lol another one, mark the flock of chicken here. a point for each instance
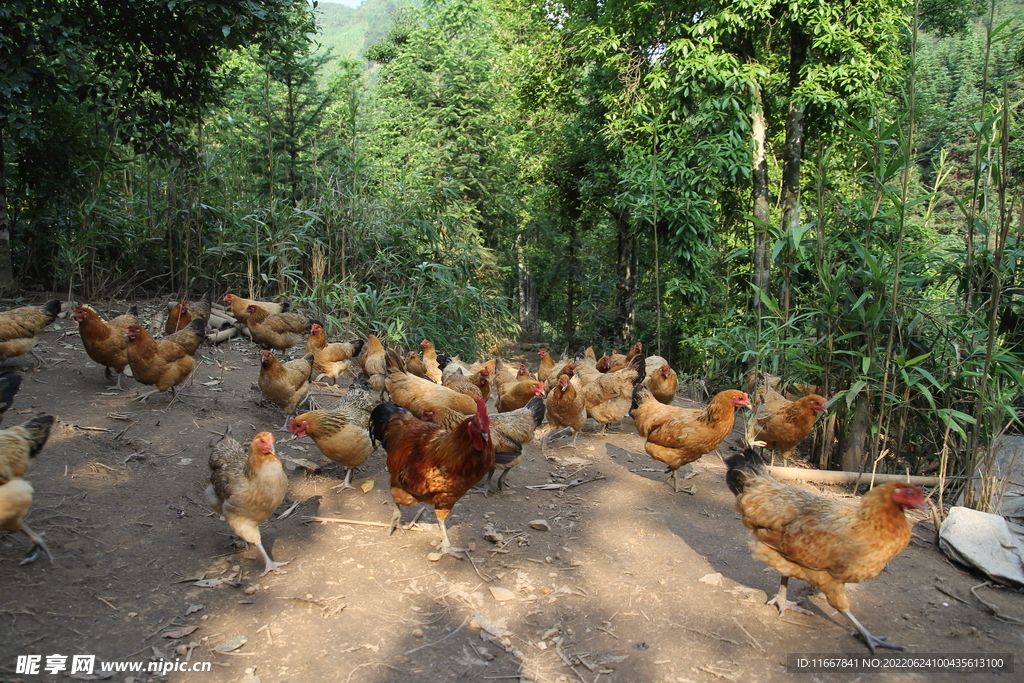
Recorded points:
(441, 440)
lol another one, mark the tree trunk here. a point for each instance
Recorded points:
(570, 290)
(6, 270)
(794, 146)
(625, 289)
(527, 296)
(856, 438)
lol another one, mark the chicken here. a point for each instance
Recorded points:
(429, 464)
(473, 385)
(372, 362)
(510, 393)
(20, 443)
(330, 360)
(758, 382)
(239, 307)
(607, 396)
(547, 364)
(359, 395)
(661, 379)
(566, 408)
(341, 434)
(524, 373)
(414, 365)
(167, 362)
(677, 436)
(183, 313)
(279, 331)
(617, 361)
(785, 423)
(20, 327)
(824, 542)
(430, 361)
(416, 394)
(509, 431)
(285, 384)
(105, 342)
(246, 488)
(15, 499)
(17, 446)
(556, 370)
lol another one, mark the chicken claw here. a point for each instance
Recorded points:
(346, 485)
(38, 545)
(270, 565)
(783, 604)
(871, 640)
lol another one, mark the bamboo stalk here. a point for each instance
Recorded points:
(831, 477)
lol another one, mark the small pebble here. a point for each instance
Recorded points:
(417, 633)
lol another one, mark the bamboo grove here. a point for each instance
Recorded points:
(825, 191)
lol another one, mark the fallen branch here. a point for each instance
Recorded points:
(335, 520)
(992, 608)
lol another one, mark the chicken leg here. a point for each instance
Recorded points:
(783, 604)
(39, 544)
(872, 641)
(446, 545)
(269, 564)
(346, 485)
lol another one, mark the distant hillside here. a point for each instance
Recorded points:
(348, 32)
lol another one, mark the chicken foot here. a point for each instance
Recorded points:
(269, 564)
(485, 488)
(38, 544)
(783, 604)
(346, 485)
(446, 545)
(871, 640)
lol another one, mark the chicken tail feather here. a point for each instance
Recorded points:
(379, 419)
(742, 465)
(537, 408)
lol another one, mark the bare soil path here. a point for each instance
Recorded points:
(631, 582)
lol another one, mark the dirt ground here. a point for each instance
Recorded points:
(631, 583)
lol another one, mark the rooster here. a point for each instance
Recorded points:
(677, 436)
(509, 431)
(429, 464)
(246, 488)
(823, 542)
